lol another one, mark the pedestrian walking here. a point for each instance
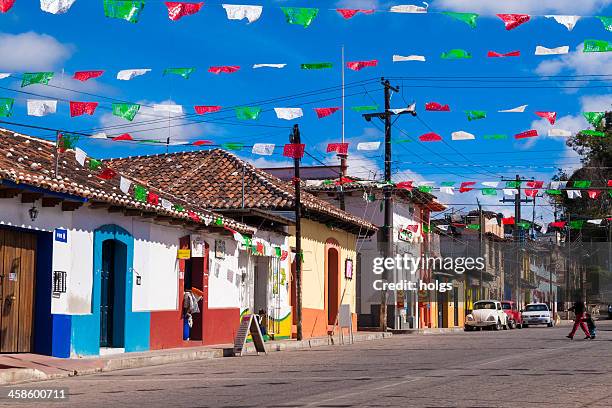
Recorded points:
(579, 311)
(590, 322)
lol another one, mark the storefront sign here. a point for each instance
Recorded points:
(184, 254)
(219, 249)
(197, 246)
(61, 235)
(348, 269)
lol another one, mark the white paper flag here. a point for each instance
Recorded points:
(551, 51)
(411, 108)
(568, 21)
(409, 8)
(443, 227)
(127, 74)
(461, 135)
(124, 185)
(556, 185)
(80, 156)
(178, 109)
(255, 66)
(559, 132)
(167, 205)
(238, 12)
(100, 135)
(264, 149)
(573, 193)
(510, 191)
(492, 184)
(368, 146)
(4, 75)
(518, 109)
(56, 6)
(288, 113)
(491, 221)
(401, 58)
(447, 190)
(37, 107)
(596, 222)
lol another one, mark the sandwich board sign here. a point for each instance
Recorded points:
(248, 325)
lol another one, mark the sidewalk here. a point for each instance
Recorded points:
(25, 367)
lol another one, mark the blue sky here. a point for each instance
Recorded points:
(83, 39)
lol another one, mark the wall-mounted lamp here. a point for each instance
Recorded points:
(33, 212)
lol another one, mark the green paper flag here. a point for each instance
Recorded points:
(473, 226)
(232, 146)
(467, 18)
(140, 193)
(606, 21)
(489, 192)
(178, 208)
(128, 10)
(447, 183)
(553, 192)
(317, 65)
(425, 189)
(126, 110)
(300, 15)
(219, 222)
(248, 112)
(513, 184)
(475, 115)
(610, 193)
(401, 141)
(328, 182)
(66, 141)
(596, 133)
(597, 46)
(582, 183)
(495, 137)
(94, 164)
(577, 224)
(278, 252)
(456, 54)
(30, 78)
(594, 118)
(426, 229)
(184, 72)
(364, 108)
(524, 224)
(6, 106)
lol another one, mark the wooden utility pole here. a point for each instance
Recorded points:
(480, 221)
(295, 138)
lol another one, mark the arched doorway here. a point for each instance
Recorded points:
(333, 281)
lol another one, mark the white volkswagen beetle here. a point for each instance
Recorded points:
(486, 313)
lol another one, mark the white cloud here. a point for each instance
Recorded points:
(581, 63)
(32, 52)
(524, 6)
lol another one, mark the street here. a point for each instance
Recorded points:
(534, 367)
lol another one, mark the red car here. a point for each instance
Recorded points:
(514, 315)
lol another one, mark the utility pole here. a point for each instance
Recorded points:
(295, 139)
(342, 156)
(481, 245)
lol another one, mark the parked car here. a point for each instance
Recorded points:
(515, 319)
(486, 313)
(537, 313)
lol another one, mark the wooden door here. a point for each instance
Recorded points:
(17, 281)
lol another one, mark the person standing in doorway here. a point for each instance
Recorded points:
(579, 311)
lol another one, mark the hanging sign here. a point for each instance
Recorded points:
(184, 254)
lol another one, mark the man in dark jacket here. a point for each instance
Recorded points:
(579, 310)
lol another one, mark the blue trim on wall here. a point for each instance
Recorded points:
(86, 328)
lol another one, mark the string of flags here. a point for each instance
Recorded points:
(526, 225)
(131, 11)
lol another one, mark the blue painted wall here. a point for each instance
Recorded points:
(86, 328)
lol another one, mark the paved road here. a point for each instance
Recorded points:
(535, 367)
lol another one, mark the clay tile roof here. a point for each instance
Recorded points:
(216, 178)
(31, 161)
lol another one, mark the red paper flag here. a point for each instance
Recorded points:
(125, 136)
(436, 107)
(549, 116)
(508, 221)
(511, 21)
(531, 193)
(405, 185)
(458, 225)
(195, 217)
(85, 75)
(508, 54)
(177, 10)
(294, 150)
(528, 133)
(323, 112)
(5, 5)
(594, 194)
(609, 183)
(535, 184)
(226, 69)
(466, 186)
(107, 174)
(430, 137)
(412, 228)
(340, 148)
(558, 224)
(350, 13)
(202, 142)
(202, 109)
(343, 180)
(82, 108)
(359, 65)
(152, 198)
